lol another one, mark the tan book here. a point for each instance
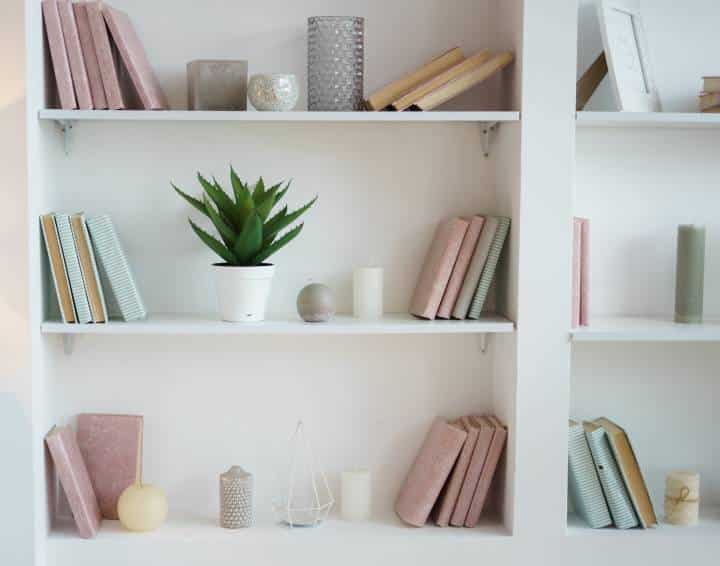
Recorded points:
(89, 268)
(590, 81)
(464, 82)
(57, 267)
(388, 94)
(711, 84)
(713, 110)
(437, 81)
(630, 470)
(709, 100)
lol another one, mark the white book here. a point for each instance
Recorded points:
(584, 485)
(74, 271)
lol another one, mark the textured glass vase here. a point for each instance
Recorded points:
(336, 63)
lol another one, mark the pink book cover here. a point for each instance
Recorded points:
(477, 461)
(585, 272)
(58, 55)
(449, 496)
(487, 475)
(75, 56)
(136, 62)
(429, 473)
(461, 267)
(106, 60)
(74, 479)
(438, 267)
(92, 66)
(576, 272)
(112, 448)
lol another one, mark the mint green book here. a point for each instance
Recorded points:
(583, 482)
(616, 494)
(488, 273)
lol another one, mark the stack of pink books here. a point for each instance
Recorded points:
(452, 475)
(84, 38)
(581, 273)
(459, 268)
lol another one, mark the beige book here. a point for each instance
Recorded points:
(709, 100)
(57, 267)
(388, 94)
(437, 81)
(590, 81)
(711, 84)
(464, 82)
(89, 268)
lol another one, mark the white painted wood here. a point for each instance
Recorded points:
(589, 119)
(646, 330)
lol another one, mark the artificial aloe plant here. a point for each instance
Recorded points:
(249, 235)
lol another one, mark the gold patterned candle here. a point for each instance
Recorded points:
(682, 498)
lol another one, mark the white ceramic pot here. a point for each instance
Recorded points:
(243, 292)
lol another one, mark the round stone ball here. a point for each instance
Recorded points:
(142, 508)
(316, 303)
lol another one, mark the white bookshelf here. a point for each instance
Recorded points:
(639, 329)
(687, 120)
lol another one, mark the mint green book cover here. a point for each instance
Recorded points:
(584, 485)
(488, 273)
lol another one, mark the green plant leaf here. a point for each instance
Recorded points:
(192, 200)
(259, 190)
(249, 241)
(267, 251)
(223, 202)
(214, 244)
(268, 202)
(240, 189)
(226, 232)
(279, 196)
(278, 223)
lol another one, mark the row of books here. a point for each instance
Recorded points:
(710, 96)
(581, 273)
(88, 265)
(453, 473)
(85, 39)
(438, 81)
(459, 268)
(606, 483)
(95, 466)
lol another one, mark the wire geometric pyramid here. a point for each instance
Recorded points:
(305, 502)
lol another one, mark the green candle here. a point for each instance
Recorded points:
(690, 276)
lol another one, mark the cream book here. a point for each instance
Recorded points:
(89, 268)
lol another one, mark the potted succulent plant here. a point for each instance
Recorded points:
(249, 233)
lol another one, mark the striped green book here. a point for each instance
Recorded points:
(618, 499)
(74, 271)
(488, 273)
(115, 268)
(583, 482)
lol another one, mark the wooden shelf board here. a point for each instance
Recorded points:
(709, 527)
(647, 120)
(300, 116)
(173, 324)
(640, 329)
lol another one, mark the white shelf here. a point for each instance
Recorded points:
(208, 116)
(647, 120)
(638, 329)
(174, 324)
(709, 527)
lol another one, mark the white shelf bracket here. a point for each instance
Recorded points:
(488, 131)
(66, 128)
(483, 342)
(68, 344)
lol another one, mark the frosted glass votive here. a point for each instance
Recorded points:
(355, 496)
(368, 292)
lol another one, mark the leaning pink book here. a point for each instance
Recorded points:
(477, 461)
(90, 57)
(136, 62)
(585, 273)
(105, 57)
(75, 56)
(429, 473)
(576, 272)
(461, 267)
(488, 473)
(438, 268)
(58, 55)
(74, 479)
(112, 448)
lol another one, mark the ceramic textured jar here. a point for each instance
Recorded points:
(274, 93)
(316, 303)
(236, 499)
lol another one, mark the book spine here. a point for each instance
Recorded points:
(90, 57)
(486, 477)
(57, 268)
(472, 476)
(72, 264)
(474, 273)
(585, 272)
(489, 270)
(584, 484)
(450, 495)
(576, 272)
(106, 61)
(75, 56)
(58, 55)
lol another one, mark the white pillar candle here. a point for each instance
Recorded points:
(355, 495)
(368, 292)
(682, 498)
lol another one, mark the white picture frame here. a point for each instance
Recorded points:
(628, 61)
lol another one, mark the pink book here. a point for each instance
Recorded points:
(136, 62)
(585, 272)
(112, 448)
(488, 473)
(58, 55)
(92, 67)
(74, 479)
(576, 272)
(106, 60)
(438, 267)
(477, 461)
(75, 56)
(449, 496)
(429, 473)
(461, 267)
